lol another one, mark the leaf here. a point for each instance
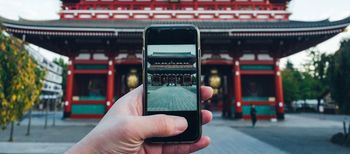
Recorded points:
(19, 89)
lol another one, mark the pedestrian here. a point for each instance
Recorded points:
(253, 114)
(123, 129)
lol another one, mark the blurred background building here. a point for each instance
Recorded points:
(52, 88)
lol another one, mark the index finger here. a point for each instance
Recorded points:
(206, 92)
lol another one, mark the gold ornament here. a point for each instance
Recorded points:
(132, 79)
(215, 81)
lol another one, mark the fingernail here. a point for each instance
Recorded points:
(181, 124)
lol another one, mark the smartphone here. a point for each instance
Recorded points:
(171, 74)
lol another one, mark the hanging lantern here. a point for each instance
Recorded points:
(132, 80)
(215, 81)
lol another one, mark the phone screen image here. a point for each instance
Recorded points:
(171, 77)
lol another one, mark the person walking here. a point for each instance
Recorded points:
(253, 114)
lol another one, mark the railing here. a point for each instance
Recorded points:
(165, 5)
(176, 14)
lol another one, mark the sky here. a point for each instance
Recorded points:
(303, 10)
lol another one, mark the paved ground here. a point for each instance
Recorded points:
(172, 98)
(326, 116)
(226, 140)
(297, 140)
(299, 133)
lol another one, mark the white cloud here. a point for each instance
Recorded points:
(30, 9)
(33, 10)
(314, 10)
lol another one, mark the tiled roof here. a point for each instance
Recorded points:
(210, 26)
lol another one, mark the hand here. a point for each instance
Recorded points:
(123, 129)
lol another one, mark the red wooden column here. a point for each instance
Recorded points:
(69, 88)
(279, 91)
(238, 89)
(110, 84)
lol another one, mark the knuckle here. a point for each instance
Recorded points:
(164, 124)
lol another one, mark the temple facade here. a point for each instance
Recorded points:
(242, 42)
(171, 69)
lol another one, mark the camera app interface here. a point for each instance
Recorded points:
(171, 77)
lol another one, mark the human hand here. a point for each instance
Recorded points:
(123, 129)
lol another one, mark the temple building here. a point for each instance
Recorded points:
(242, 42)
(171, 69)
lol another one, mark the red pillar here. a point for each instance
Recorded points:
(110, 84)
(279, 92)
(237, 90)
(69, 89)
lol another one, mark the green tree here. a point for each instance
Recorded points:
(339, 76)
(316, 79)
(291, 78)
(308, 86)
(298, 85)
(320, 64)
(20, 79)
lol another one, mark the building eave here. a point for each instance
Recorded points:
(216, 26)
(288, 37)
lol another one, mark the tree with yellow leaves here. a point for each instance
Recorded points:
(20, 79)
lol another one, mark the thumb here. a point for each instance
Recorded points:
(161, 126)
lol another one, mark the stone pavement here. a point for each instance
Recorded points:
(226, 140)
(297, 134)
(330, 117)
(291, 120)
(171, 98)
(31, 147)
(38, 119)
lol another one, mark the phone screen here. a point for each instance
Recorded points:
(172, 76)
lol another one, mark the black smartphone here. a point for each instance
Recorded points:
(171, 77)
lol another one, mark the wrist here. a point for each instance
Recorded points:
(83, 146)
